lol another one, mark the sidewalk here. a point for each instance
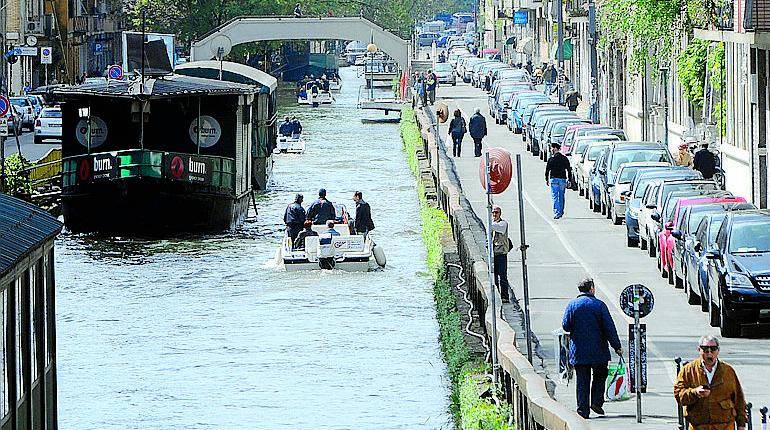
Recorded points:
(585, 244)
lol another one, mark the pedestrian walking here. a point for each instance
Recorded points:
(683, 157)
(710, 392)
(477, 126)
(457, 130)
(488, 82)
(294, 217)
(501, 246)
(705, 162)
(431, 82)
(549, 76)
(573, 99)
(591, 329)
(529, 67)
(557, 175)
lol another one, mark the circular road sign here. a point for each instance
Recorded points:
(115, 72)
(5, 104)
(643, 295)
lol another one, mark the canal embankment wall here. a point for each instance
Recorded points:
(532, 407)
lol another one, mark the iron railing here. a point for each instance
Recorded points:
(757, 15)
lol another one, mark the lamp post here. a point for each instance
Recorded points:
(371, 49)
(664, 83)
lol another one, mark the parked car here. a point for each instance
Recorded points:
(466, 67)
(519, 75)
(739, 272)
(570, 134)
(427, 38)
(581, 144)
(477, 70)
(622, 183)
(538, 121)
(638, 190)
(554, 133)
(655, 201)
(666, 219)
(37, 103)
(519, 104)
(502, 101)
(584, 167)
(27, 111)
(13, 118)
(684, 224)
(445, 73)
(624, 152)
(48, 125)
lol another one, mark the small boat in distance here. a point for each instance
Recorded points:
(306, 97)
(290, 145)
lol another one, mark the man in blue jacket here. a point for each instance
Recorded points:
(590, 325)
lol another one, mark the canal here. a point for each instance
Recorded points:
(206, 332)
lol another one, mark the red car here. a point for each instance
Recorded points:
(666, 242)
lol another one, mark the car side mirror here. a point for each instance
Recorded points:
(669, 226)
(626, 194)
(655, 216)
(676, 234)
(698, 247)
(651, 206)
(610, 186)
(712, 254)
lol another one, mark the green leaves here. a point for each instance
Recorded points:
(691, 70)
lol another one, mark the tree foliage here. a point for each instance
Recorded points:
(649, 29)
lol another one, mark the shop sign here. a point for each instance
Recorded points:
(190, 168)
(98, 132)
(210, 131)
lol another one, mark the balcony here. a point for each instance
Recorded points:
(576, 8)
(90, 24)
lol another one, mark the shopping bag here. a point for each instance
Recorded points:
(617, 382)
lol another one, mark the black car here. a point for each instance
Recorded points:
(739, 272)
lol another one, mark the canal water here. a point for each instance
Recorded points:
(207, 333)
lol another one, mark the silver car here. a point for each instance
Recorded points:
(445, 73)
(622, 183)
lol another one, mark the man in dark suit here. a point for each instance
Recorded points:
(364, 223)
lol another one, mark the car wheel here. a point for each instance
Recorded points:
(678, 282)
(651, 249)
(454, 83)
(659, 265)
(671, 275)
(590, 202)
(631, 242)
(610, 210)
(704, 301)
(38, 140)
(602, 207)
(617, 220)
(642, 243)
(713, 315)
(597, 207)
(691, 297)
(729, 326)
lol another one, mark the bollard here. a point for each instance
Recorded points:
(679, 411)
(763, 411)
(748, 415)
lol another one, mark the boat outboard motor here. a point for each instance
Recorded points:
(379, 255)
(326, 252)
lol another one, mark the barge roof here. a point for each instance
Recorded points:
(164, 87)
(233, 72)
(23, 228)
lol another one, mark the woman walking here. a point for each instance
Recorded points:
(457, 129)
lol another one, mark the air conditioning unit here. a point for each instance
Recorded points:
(34, 27)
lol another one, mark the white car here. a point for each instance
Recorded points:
(48, 124)
(27, 111)
(445, 73)
(622, 183)
(586, 164)
(579, 148)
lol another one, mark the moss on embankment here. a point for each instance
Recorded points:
(466, 371)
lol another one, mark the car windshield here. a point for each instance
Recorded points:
(581, 147)
(594, 151)
(685, 186)
(750, 236)
(627, 174)
(51, 113)
(637, 155)
(19, 102)
(443, 67)
(561, 128)
(640, 187)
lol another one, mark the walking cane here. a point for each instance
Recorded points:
(679, 412)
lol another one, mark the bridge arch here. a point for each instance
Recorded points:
(247, 29)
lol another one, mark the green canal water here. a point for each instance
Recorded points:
(207, 333)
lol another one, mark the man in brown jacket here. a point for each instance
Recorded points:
(710, 391)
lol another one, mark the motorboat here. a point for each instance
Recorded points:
(335, 84)
(307, 98)
(290, 144)
(348, 251)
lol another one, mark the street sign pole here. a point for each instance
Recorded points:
(560, 50)
(491, 266)
(637, 357)
(523, 248)
(593, 35)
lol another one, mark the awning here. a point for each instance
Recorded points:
(526, 46)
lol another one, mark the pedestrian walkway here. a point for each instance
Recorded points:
(581, 244)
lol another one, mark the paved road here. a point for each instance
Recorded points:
(29, 149)
(586, 244)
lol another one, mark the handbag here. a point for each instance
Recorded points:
(463, 128)
(616, 388)
(510, 245)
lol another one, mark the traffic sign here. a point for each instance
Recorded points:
(46, 55)
(5, 104)
(643, 296)
(115, 72)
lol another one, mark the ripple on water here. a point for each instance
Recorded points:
(160, 331)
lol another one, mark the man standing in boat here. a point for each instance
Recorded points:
(296, 127)
(363, 220)
(294, 218)
(287, 128)
(321, 210)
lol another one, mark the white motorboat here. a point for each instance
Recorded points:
(307, 98)
(347, 251)
(335, 84)
(290, 145)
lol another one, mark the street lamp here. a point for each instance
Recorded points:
(371, 49)
(664, 82)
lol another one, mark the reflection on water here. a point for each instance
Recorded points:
(203, 332)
